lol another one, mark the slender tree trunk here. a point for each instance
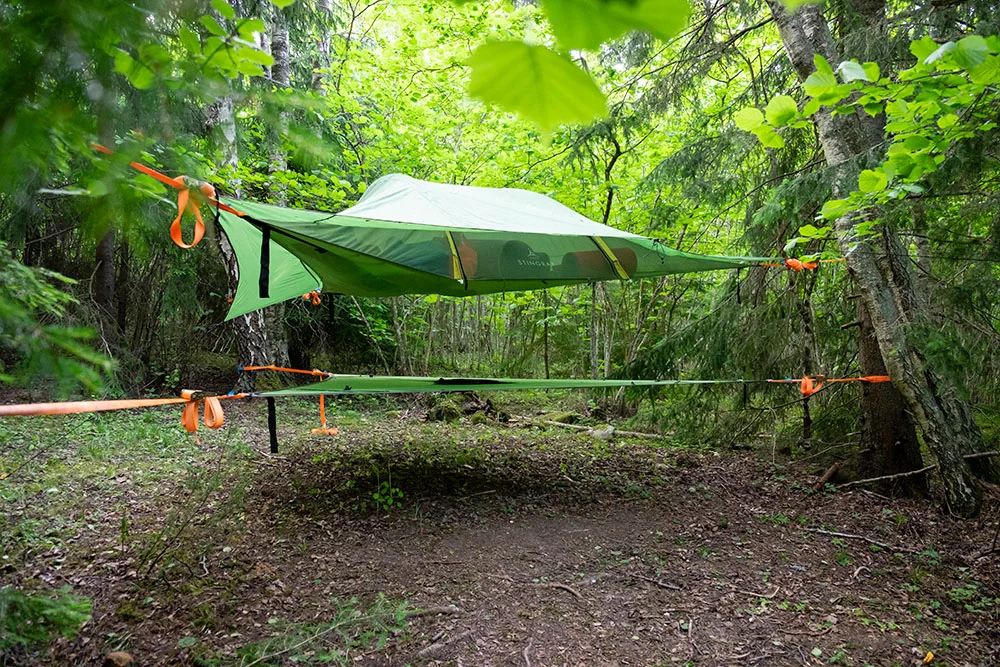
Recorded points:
(891, 299)
(545, 333)
(595, 362)
(251, 337)
(321, 67)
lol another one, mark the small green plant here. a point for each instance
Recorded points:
(32, 619)
(387, 496)
(775, 519)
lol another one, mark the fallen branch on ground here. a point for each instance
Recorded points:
(630, 434)
(434, 611)
(661, 584)
(869, 540)
(562, 587)
(886, 478)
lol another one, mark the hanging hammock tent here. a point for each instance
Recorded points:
(407, 236)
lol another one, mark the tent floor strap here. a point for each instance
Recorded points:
(272, 425)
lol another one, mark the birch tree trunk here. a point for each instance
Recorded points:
(890, 295)
(251, 337)
(274, 316)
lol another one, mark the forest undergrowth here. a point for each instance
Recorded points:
(403, 541)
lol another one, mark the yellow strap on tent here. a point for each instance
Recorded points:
(456, 264)
(619, 269)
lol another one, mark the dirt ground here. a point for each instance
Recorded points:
(503, 545)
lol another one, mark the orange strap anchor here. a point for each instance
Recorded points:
(799, 265)
(811, 384)
(191, 195)
(214, 417)
(323, 430)
(313, 297)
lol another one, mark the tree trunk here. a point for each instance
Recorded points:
(104, 288)
(322, 65)
(249, 331)
(890, 298)
(888, 446)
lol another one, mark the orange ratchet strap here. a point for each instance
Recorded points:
(214, 417)
(799, 265)
(191, 195)
(811, 384)
(313, 297)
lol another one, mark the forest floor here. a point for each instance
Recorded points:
(401, 542)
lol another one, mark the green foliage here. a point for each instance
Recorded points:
(535, 81)
(352, 629)
(928, 107)
(27, 619)
(32, 328)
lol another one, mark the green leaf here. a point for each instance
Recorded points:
(781, 110)
(225, 9)
(820, 83)
(821, 64)
(916, 143)
(281, 4)
(835, 208)
(852, 71)
(187, 642)
(871, 181)
(768, 137)
(873, 71)
(971, 51)
(792, 5)
(923, 47)
(189, 38)
(213, 26)
(586, 24)
(748, 119)
(257, 56)
(536, 82)
(811, 107)
(987, 72)
(947, 47)
(947, 120)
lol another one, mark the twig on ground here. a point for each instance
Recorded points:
(562, 587)
(524, 653)
(885, 478)
(631, 434)
(807, 634)
(827, 476)
(481, 493)
(661, 584)
(869, 540)
(433, 611)
(754, 594)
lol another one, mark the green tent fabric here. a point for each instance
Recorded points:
(376, 384)
(407, 236)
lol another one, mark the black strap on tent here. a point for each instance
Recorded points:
(272, 425)
(264, 285)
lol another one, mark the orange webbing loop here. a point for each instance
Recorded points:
(322, 419)
(811, 384)
(189, 200)
(214, 417)
(186, 203)
(799, 265)
(77, 407)
(866, 378)
(313, 297)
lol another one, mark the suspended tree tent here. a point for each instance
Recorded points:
(407, 236)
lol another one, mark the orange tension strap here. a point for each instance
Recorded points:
(314, 371)
(809, 385)
(313, 297)
(323, 430)
(77, 407)
(799, 265)
(192, 194)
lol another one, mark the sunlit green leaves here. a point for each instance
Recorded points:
(586, 24)
(871, 181)
(852, 71)
(835, 208)
(971, 51)
(780, 111)
(819, 84)
(748, 119)
(224, 8)
(535, 82)
(281, 4)
(138, 74)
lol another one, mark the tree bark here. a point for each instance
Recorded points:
(890, 297)
(321, 67)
